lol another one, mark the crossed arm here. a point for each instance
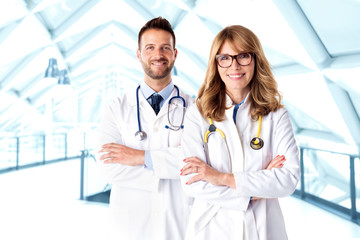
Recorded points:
(117, 153)
(208, 174)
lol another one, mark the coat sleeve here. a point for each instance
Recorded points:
(192, 145)
(137, 177)
(165, 162)
(278, 182)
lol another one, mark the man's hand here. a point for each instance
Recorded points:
(117, 153)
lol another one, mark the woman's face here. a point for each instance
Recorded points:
(236, 77)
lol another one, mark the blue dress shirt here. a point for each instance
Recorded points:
(147, 92)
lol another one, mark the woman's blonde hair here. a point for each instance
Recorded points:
(264, 95)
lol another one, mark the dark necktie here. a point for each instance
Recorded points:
(155, 102)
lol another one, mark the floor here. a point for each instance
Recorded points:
(42, 203)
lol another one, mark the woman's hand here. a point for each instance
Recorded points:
(277, 162)
(206, 173)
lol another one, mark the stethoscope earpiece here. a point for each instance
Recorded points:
(256, 143)
(167, 127)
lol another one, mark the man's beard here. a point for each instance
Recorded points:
(160, 75)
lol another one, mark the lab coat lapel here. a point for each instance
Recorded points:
(144, 104)
(234, 142)
(145, 107)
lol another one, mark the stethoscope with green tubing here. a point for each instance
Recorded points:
(256, 143)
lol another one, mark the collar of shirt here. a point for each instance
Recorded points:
(229, 103)
(238, 105)
(236, 108)
(148, 91)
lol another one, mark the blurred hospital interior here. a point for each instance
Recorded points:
(62, 61)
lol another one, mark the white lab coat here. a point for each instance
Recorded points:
(144, 204)
(220, 212)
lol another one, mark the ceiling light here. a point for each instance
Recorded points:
(64, 77)
(52, 71)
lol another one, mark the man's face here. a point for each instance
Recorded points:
(157, 54)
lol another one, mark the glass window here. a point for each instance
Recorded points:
(327, 176)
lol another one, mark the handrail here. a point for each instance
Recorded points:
(15, 161)
(84, 154)
(351, 213)
(330, 151)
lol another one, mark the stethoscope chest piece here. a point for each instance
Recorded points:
(256, 143)
(141, 135)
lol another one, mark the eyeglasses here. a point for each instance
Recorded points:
(226, 60)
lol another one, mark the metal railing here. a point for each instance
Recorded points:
(92, 186)
(337, 191)
(29, 151)
(36, 150)
(329, 180)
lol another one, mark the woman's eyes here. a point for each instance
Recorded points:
(243, 55)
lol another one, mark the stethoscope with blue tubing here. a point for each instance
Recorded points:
(141, 135)
(256, 143)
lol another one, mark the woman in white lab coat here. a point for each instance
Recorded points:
(236, 181)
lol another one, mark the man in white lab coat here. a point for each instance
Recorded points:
(138, 154)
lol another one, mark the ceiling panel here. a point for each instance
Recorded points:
(55, 12)
(336, 23)
(312, 46)
(11, 11)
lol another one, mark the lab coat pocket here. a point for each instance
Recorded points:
(174, 137)
(201, 214)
